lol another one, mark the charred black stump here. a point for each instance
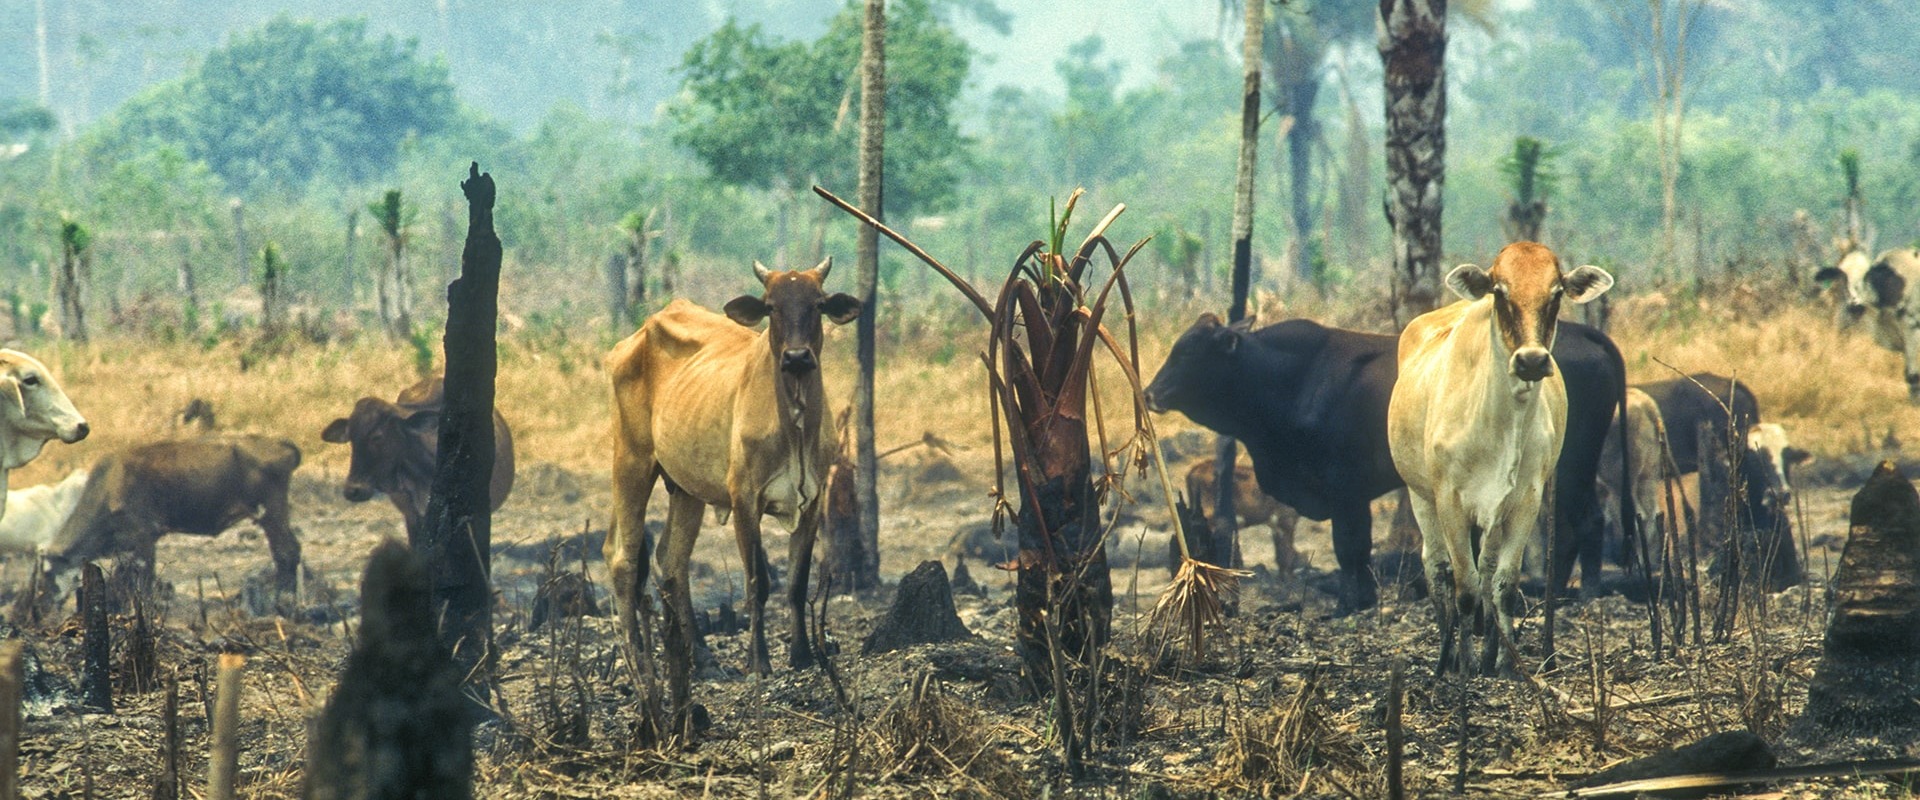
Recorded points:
(1868, 680)
(398, 724)
(96, 674)
(922, 613)
(1727, 751)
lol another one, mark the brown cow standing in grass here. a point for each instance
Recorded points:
(732, 419)
(394, 448)
(202, 486)
(1476, 424)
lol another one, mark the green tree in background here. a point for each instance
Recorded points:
(283, 104)
(782, 115)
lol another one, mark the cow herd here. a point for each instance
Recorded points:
(1498, 419)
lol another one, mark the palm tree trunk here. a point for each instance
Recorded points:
(1413, 49)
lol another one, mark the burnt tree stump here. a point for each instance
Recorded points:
(398, 724)
(1868, 680)
(458, 537)
(96, 674)
(922, 613)
(846, 562)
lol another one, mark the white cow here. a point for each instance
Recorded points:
(1889, 286)
(34, 514)
(1475, 426)
(33, 409)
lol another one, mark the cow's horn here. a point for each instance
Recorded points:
(760, 271)
(825, 266)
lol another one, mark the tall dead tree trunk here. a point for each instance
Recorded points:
(1296, 70)
(1225, 529)
(353, 251)
(273, 306)
(1413, 51)
(873, 120)
(458, 534)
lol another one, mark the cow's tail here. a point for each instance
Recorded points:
(1629, 521)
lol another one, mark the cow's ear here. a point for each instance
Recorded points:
(1469, 282)
(335, 432)
(1796, 456)
(1888, 287)
(1829, 275)
(10, 395)
(748, 310)
(1586, 283)
(1226, 339)
(424, 422)
(840, 307)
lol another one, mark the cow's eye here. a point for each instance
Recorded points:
(30, 380)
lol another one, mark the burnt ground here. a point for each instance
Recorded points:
(1289, 698)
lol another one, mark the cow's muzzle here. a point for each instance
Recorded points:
(357, 492)
(1856, 310)
(1532, 364)
(1154, 403)
(76, 433)
(798, 361)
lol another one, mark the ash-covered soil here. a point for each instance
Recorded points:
(1287, 699)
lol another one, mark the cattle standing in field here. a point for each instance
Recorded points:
(1250, 504)
(1889, 286)
(33, 409)
(395, 446)
(1310, 404)
(200, 486)
(1644, 465)
(1729, 412)
(733, 419)
(1475, 425)
(33, 514)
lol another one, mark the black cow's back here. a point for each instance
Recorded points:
(1702, 398)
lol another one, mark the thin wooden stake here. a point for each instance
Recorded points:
(224, 767)
(168, 787)
(1396, 735)
(12, 681)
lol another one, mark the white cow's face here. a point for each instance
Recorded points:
(33, 409)
(1853, 269)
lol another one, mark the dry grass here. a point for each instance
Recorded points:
(1277, 752)
(1834, 390)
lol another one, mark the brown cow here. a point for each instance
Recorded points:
(201, 486)
(733, 419)
(394, 446)
(1250, 504)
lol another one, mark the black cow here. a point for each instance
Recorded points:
(1310, 404)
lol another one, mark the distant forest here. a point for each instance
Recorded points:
(182, 137)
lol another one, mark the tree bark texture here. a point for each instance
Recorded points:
(1225, 529)
(873, 116)
(1413, 47)
(459, 530)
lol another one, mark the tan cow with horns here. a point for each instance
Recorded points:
(1475, 426)
(733, 419)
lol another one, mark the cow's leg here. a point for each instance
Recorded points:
(1501, 557)
(675, 551)
(1441, 586)
(1353, 549)
(746, 534)
(281, 543)
(625, 548)
(800, 564)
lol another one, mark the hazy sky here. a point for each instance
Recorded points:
(1138, 33)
